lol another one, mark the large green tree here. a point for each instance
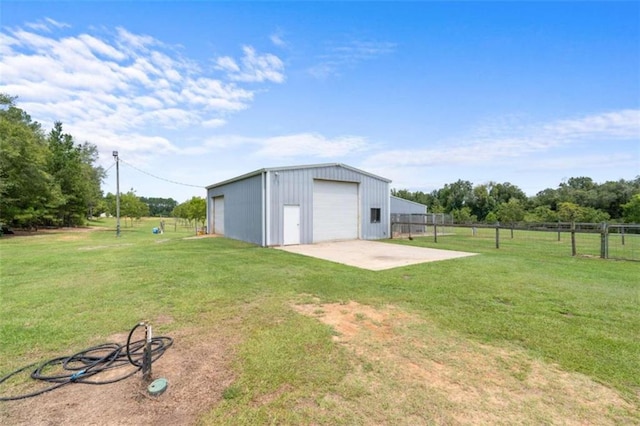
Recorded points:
(454, 196)
(194, 210)
(197, 209)
(132, 207)
(44, 180)
(72, 167)
(511, 211)
(483, 203)
(504, 192)
(28, 193)
(631, 210)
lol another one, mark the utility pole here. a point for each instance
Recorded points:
(115, 155)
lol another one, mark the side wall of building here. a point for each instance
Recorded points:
(402, 206)
(407, 217)
(243, 218)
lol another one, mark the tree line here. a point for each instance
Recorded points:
(579, 199)
(48, 179)
(134, 207)
(45, 179)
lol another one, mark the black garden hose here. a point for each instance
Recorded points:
(82, 366)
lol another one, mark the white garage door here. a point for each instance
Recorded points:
(218, 215)
(335, 210)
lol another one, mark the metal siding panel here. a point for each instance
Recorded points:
(243, 208)
(375, 194)
(209, 212)
(398, 205)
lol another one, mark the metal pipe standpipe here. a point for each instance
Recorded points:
(146, 359)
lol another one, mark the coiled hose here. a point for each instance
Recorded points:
(85, 366)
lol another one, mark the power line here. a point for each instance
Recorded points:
(109, 168)
(160, 178)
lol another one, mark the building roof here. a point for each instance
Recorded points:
(409, 201)
(309, 166)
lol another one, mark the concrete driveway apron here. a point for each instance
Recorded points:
(373, 255)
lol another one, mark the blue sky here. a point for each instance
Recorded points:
(422, 93)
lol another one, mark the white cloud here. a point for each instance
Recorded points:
(225, 141)
(310, 145)
(585, 161)
(47, 25)
(228, 64)
(100, 47)
(214, 122)
(493, 143)
(254, 67)
(338, 56)
(150, 102)
(617, 124)
(117, 87)
(277, 38)
(301, 145)
(134, 43)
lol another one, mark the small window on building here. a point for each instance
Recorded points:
(375, 215)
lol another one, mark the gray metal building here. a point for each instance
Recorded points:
(407, 217)
(402, 206)
(300, 205)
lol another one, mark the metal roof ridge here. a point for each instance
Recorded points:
(300, 167)
(408, 201)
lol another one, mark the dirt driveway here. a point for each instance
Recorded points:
(373, 255)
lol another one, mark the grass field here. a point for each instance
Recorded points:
(519, 310)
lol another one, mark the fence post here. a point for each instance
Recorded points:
(435, 232)
(558, 230)
(604, 237)
(573, 238)
(498, 235)
(621, 234)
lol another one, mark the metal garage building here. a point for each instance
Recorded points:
(300, 205)
(407, 217)
(402, 206)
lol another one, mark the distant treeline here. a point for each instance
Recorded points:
(48, 179)
(578, 199)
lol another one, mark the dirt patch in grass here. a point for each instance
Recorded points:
(103, 247)
(197, 368)
(407, 371)
(197, 237)
(51, 231)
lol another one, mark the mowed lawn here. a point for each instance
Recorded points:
(73, 289)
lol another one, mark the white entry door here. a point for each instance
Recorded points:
(291, 228)
(218, 215)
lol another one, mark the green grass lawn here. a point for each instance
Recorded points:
(71, 290)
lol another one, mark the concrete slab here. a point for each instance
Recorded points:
(373, 255)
